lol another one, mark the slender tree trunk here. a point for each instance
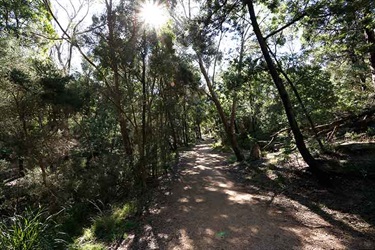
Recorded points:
(231, 136)
(185, 126)
(370, 34)
(171, 124)
(308, 158)
(121, 118)
(295, 91)
(142, 167)
(232, 128)
(44, 175)
(125, 136)
(21, 168)
(23, 150)
(199, 130)
(115, 90)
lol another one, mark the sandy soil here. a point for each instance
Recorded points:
(205, 209)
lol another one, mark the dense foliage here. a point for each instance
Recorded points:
(82, 140)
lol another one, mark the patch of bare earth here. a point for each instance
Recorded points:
(206, 208)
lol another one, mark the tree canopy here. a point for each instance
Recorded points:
(259, 77)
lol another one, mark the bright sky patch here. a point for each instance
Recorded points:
(153, 14)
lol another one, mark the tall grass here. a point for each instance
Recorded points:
(33, 229)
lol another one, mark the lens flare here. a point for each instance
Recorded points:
(153, 14)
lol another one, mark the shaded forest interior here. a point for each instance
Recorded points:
(99, 100)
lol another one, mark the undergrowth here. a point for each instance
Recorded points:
(107, 227)
(33, 229)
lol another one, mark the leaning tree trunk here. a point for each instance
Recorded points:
(299, 99)
(227, 127)
(308, 158)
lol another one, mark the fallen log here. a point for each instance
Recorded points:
(364, 118)
(358, 121)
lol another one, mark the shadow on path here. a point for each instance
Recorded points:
(207, 210)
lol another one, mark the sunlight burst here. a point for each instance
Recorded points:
(153, 14)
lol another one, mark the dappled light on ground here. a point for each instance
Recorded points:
(207, 210)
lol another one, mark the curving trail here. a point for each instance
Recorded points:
(205, 209)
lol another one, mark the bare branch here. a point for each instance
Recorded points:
(298, 18)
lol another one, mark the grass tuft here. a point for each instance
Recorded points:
(32, 229)
(107, 228)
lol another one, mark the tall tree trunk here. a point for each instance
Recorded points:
(142, 163)
(370, 34)
(125, 136)
(21, 167)
(173, 130)
(308, 158)
(231, 136)
(199, 130)
(185, 125)
(115, 90)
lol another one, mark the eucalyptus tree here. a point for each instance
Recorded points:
(24, 19)
(136, 68)
(305, 153)
(346, 29)
(335, 36)
(339, 32)
(113, 36)
(226, 8)
(204, 37)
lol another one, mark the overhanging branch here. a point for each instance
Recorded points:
(286, 25)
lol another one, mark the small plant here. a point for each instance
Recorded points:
(30, 230)
(220, 146)
(349, 135)
(88, 246)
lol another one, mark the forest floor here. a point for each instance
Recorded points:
(216, 205)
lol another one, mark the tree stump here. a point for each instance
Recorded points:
(255, 153)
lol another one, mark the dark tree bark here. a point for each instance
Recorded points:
(308, 158)
(21, 167)
(185, 125)
(142, 161)
(115, 90)
(198, 130)
(173, 130)
(370, 34)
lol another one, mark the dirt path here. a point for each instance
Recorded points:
(205, 209)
